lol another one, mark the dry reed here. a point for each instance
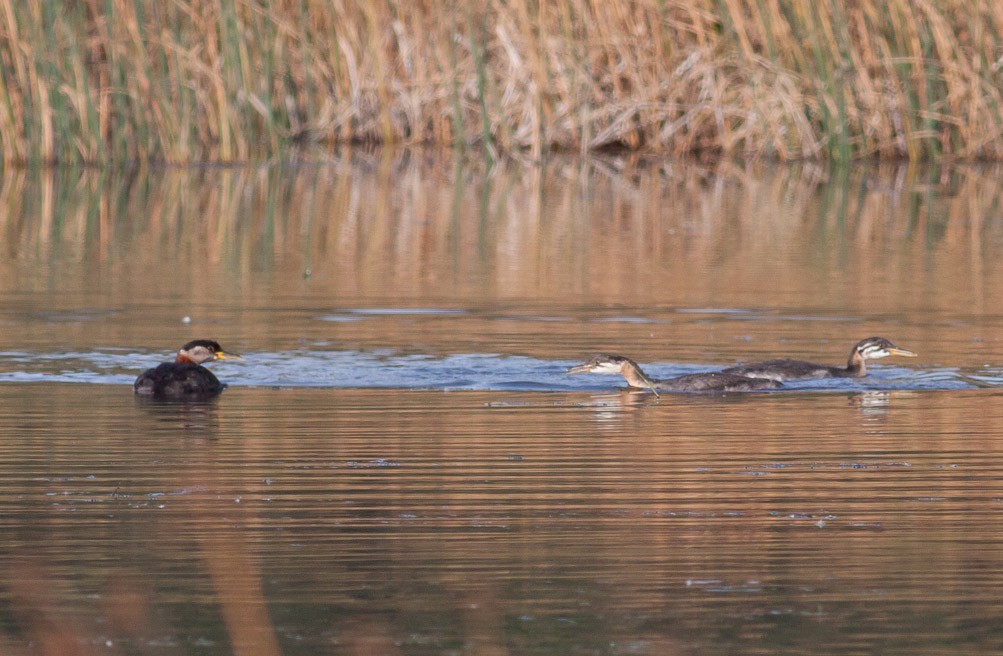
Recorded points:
(233, 80)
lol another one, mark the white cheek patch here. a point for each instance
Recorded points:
(876, 354)
(201, 353)
(607, 368)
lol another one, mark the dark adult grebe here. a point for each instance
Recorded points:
(706, 382)
(871, 348)
(185, 378)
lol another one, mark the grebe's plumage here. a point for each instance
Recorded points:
(705, 382)
(185, 378)
(871, 348)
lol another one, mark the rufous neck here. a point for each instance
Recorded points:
(635, 376)
(856, 364)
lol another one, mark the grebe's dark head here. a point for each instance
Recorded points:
(875, 348)
(603, 364)
(203, 350)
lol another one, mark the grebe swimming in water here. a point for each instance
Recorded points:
(871, 348)
(705, 382)
(185, 378)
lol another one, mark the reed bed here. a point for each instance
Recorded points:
(237, 80)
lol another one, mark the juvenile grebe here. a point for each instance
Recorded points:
(871, 348)
(706, 382)
(185, 378)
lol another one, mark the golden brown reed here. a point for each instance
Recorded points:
(232, 80)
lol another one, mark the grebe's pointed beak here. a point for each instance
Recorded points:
(894, 350)
(224, 355)
(580, 369)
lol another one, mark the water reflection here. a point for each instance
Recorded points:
(873, 403)
(401, 463)
(181, 419)
(360, 520)
(194, 486)
(666, 261)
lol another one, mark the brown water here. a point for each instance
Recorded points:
(401, 466)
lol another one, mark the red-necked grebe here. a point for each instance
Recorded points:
(705, 382)
(185, 378)
(871, 348)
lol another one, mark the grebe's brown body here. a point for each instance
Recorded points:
(185, 378)
(705, 382)
(871, 348)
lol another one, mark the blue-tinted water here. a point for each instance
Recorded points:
(319, 362)
(318, 367)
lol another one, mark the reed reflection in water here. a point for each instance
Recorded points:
(271, 255)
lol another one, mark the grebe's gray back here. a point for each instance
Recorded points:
(871, 348)
(703, 382)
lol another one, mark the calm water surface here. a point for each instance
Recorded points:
(401, 465)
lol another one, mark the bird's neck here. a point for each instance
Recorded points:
(635, 376)
(856, 366)
(184, 359)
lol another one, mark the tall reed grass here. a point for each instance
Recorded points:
(233, 80)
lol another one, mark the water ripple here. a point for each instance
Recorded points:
(461, 371)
